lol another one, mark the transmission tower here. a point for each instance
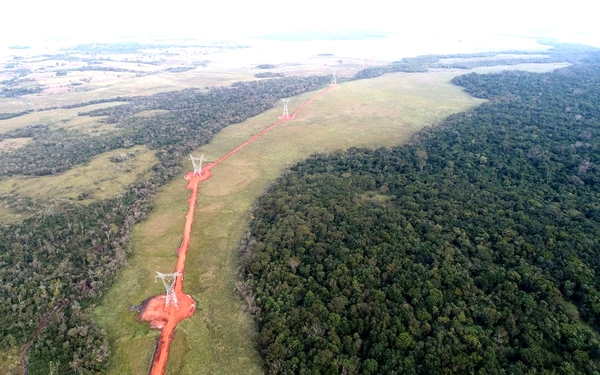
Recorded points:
(197, 162)
(286, 114)
(169, 280)
(333, 77)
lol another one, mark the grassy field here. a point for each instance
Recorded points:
(13, 143)
(60, 118)
(529, 67)
(98, 179)
(146, 72)
(218, 339)
(151, 112)
(9, 362)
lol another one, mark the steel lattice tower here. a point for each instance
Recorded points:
(197, 162)
(286, 114)
(169, 280)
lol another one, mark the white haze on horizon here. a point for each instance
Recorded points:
(35, 20)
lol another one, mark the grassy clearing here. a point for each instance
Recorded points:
(491, 58)
(151, 112)
(9, 362)
(87, 124)
(60, 118)
(218, 339)
(98, 179)
(535, 68)
(8, 216)
(106, 85)
(13, 143)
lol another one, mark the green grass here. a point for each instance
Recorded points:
(528, 67)
(8, 216)
(99, 179)
(10, 144)
(9, 362)
(60, 118)
(218, 339)
(151, 112)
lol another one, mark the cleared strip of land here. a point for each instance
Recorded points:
(218, 339)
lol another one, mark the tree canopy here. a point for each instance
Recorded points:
(473, 249)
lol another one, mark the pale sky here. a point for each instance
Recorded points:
(223, 19)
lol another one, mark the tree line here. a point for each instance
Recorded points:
(558, 53)
(55, 265)
(472, 249)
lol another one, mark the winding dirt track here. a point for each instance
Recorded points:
(154, 311)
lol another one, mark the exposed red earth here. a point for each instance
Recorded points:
(154, 310)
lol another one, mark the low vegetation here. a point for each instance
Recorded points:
(104, 176)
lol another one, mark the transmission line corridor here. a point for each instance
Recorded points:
(165, 311)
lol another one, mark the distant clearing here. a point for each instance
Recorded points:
(13, 143)
(529, 67)
(59, 118)
(218, 339)
(500, 56)
(99, 179)
(151, 112)
(8, 216)
(9, 363)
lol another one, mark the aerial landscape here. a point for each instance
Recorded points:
(390, 194)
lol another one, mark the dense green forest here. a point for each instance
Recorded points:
(57, 264)
(474, 249)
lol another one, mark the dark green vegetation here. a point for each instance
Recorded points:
(474, 249)
(56, 265)
(192, 119)
(18, 86)
(560, 52)
(6, 116)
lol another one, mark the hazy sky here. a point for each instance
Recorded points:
(228, 18)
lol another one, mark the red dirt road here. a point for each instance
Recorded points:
(154, 311)
(166, 319)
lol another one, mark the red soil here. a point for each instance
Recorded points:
(166, 318)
